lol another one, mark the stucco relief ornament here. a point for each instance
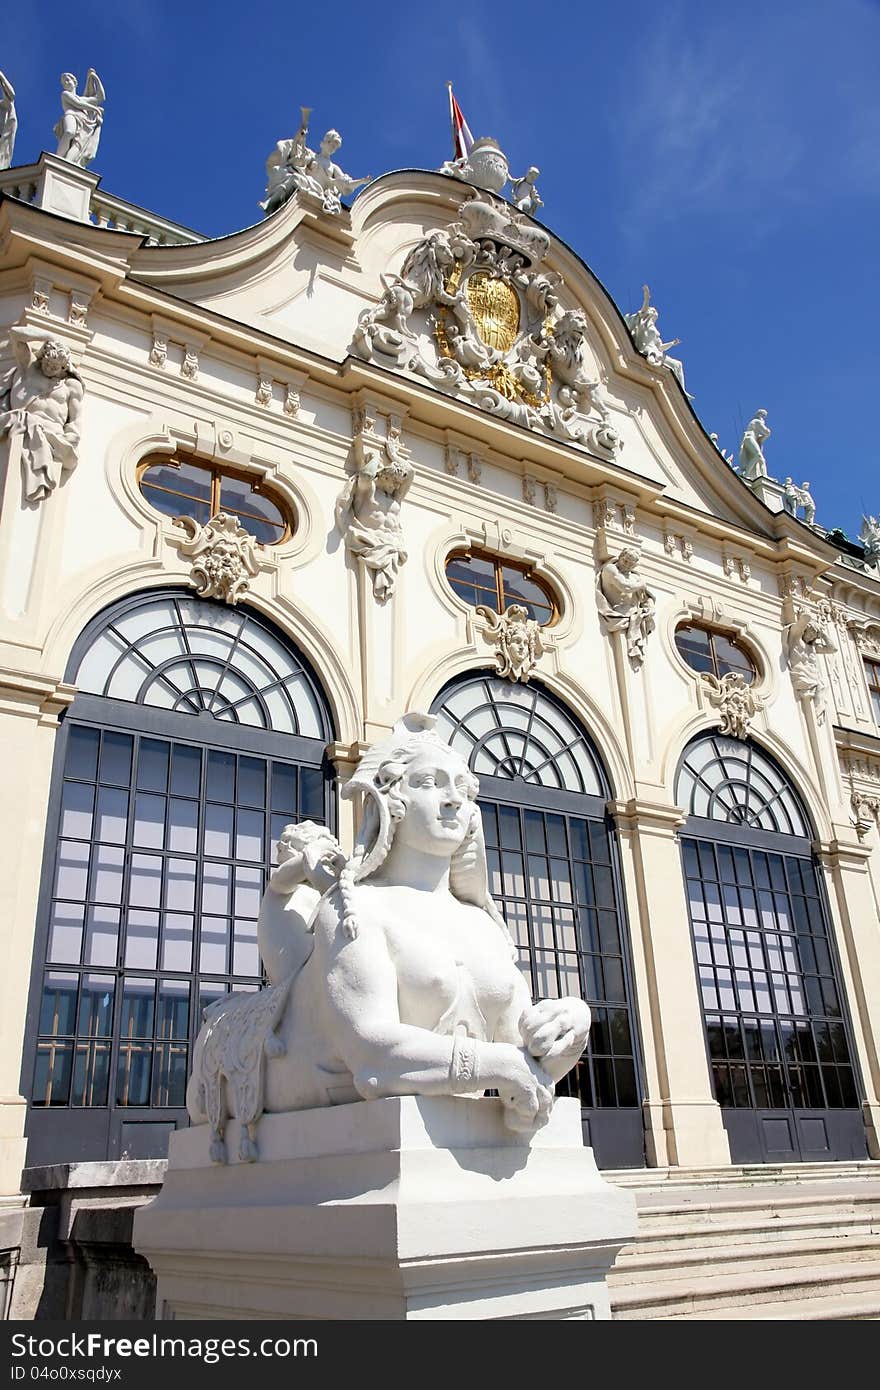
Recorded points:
(475, 311)
(752, 463)
(82, 116)
(805, 639)
(368, 510)
(293, 166)
(517, 638)
(225, 556)
(404, 979)
(625, 603)
(8, 121)
(646, 336)
(865, 812)
(735, 700)
(40, 404)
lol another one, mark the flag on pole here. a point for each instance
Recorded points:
(462, 140)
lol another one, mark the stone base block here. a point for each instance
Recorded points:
(395, 1209)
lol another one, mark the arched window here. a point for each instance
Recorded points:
(776, 1024)
(553, 871)
(480, 578)
(197, 733)
(707, 649)
(183, 486)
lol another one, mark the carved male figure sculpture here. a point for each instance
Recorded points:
(79, 128)
(625, 603)
(293, 165)
(368, 508)
(411, 985)
(805, 639)
(8, 121)
(752, 463)
(794, 497)
(40, 403)
(524, 194)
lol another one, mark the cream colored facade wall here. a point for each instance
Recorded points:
(289, 294)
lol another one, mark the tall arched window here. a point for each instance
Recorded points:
(776, 1024)
(197, 733)
(554, 873)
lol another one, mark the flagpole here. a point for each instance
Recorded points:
(452, 122)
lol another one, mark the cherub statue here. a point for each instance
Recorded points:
(625, 603)
(411, 986)
(292, 165)
(368, 508)
(40, 404)
(8, 121)
(524, 195)
(646, 336)
(752, 464)
(79, 128)
(309, 863)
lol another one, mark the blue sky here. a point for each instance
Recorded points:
(727, 155)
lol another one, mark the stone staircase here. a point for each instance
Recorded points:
(799, 1241)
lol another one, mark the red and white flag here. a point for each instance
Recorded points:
(462, 140)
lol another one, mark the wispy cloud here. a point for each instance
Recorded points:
(730, 119)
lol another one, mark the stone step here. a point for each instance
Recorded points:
(754, 1235)
(747, 1175)
(696, 1216)
(746, 1288)
(636, 1265)
(855, 1307)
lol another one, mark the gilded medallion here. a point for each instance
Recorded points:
(494, 305)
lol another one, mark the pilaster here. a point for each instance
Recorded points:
(683, 1124)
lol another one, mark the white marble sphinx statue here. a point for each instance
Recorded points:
(401, 981)
(292, 165)
(82, 117)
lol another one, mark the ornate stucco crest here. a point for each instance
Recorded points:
(368, 508)
(865, 812)
(475, 311)
(517, 639)
(225, 556)
(735, 701)
(805, 638)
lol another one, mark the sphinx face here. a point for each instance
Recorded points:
(439, 808)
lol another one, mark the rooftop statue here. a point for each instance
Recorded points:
(40, 404)
(8, 121)
(292, 165)
(79, 128)
(486, 167)
(524, 193)
(409, 984)
(646, 336)
(870, 539)
(752, 464)
(794, 497)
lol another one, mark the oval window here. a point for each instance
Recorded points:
(181, 486)
(707, 649)
(480, 578)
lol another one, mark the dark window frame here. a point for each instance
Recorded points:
(720, 667)
(86, 1124)
(872, 677)
(500, 563)
(216, 474)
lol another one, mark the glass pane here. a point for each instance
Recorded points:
(180, 885)
(102, 936)
(108, 863)
(149, 821)
(96, 1006)
(77, 806)
(58, 1006)
(145, 888)
(153, 765)
(186, 770)
(138, 1004)
(183, 820)
(249, 835)
(173, 1010)
(82, 753)
(71, 875)
(218, 831)
(142, 940)
(177, 941)
(116, 750)
(65, 933)
(112, 817)
(221, 776)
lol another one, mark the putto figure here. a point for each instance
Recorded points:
(79, 129)
(646, 336)
(625, 603)
(8, 121)
(292, 165)
(411, 987)
(752, 463)
(40, 404)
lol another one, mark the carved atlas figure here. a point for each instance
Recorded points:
(40, 404)
(403, 982)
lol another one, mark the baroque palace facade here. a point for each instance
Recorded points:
(287, 484)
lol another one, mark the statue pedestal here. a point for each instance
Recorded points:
(396, 1209)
